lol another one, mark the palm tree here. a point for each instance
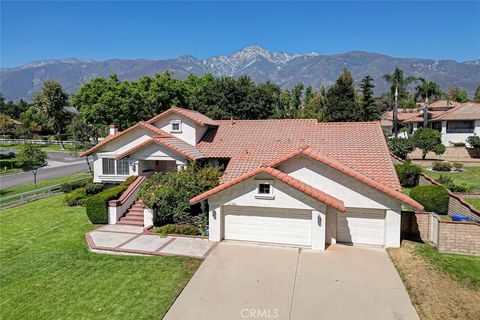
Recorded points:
(399, 85)
(424, 91)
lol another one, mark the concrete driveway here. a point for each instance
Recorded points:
(242, 281)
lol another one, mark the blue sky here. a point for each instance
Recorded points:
(158, 30)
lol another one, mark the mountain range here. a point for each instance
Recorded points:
(260, 64)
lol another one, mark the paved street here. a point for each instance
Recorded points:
(60, 164)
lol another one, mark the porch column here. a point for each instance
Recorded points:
(214, 222)
(319, 223)
(444, 127)
(415, 126)
(180, 165)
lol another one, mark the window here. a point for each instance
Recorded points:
(460, 126)
(264, 189)
(122, 167)
(108, 166)
(176, 126)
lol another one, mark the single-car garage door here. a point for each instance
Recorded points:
(364, 228)
(274, 225)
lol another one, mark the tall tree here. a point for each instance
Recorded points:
(476, 97)
(51, 102)
(340, 99)
(398, 92)
(313, 105)
(31, 158)
(426, 90)
(458, 94)
(368, 109)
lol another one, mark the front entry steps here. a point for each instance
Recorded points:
(134, 215)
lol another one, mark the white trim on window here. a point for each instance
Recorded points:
(176, 126)
(264, 189)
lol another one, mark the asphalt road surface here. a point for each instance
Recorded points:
(60, 164)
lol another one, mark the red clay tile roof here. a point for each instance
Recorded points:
(285, 178)
(252, 143)
(110, 138)
(465, 111)
(190, 114)
(173, 143)
(316, 155)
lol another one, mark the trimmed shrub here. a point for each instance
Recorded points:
(93, 188)
(474, 142)
(168, 194)
(442, 166)
(129, 180)
(186, 229)
(427, 140)
(459, 144)
(452, 186)
(458, 166)
(97, 205)
(74, 198)
(434, 198)
(70, 186)
(400, 147)
(408, 173)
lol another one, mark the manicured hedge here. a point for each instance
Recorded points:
(70, 186)
(442, 166)
(408, 173)
(93, 188)
(74, 198)
(434, 198)
(97, 205)
(186, 229)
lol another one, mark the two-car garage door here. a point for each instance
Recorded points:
(366, 227)
(273, 225)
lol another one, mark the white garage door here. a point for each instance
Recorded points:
(274, 225)
(366, 227)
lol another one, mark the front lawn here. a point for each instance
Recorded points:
(464, 269)
(440, 286)
(469, 176)
(47, 272)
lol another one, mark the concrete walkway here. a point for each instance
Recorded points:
(125, 239)
(242, 281)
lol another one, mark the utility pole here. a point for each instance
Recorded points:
(395, 110)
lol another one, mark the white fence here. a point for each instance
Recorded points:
(34, 141)
(34, 194)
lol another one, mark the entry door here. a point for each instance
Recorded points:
(273, 225)
(363, 228)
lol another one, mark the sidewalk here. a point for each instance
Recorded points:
(125, 239)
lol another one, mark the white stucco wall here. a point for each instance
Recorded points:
(190, 131)
(353, 193)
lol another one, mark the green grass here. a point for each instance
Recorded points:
(469, 176)
(474, 202)
(10, 165)
(41, 184)
(46, 271)
(464, 269)
(44, 147)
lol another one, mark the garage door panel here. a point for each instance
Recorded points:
(362, 228)
(268, 225)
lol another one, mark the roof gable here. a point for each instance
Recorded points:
(318, 156)
(193, 115)
(281, 176)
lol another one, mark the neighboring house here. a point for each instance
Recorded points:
(456, 121)
(294, 182)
